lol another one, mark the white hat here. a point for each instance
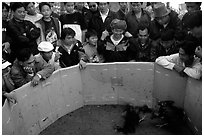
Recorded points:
(5, 64)
(45, 46)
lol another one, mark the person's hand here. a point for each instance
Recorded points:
(6, 47)
(11, 97)
(35, 81)
(57, 55)
(104, 34)
(127, 34)
(198, 51)
(180, 69)
(82, 64)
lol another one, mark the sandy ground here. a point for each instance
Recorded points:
(102, 120)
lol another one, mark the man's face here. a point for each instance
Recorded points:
(167, 44)
(103, 7)
(183, 56)
(191, 6)
(30, 62)
(46, 11)
(136, 7)
(4, 13)
(196, 32)
(79, 5)
(31, 8)
(69, 40)
(93, 40)
(69, 7)
(47, 55)
(162, 20)
(93, 6)
(19, 13)
(143, 36)
(123, 5)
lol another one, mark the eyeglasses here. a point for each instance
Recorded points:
(92, 6)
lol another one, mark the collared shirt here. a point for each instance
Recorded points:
(103, 16)
(168, 62)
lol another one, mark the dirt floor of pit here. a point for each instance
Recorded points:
(102, 120)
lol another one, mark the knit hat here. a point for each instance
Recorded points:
(118, 24)
(160, 10)
(45, 46)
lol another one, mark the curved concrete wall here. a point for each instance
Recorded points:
(114, 83)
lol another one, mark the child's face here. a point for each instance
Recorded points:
(93, 40)
(46, 11)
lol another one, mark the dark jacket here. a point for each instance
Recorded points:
(70, 59)
(138, 52)
(99, 26)
(121, 15)
(23, 35)
(114, 53)
(174, 24)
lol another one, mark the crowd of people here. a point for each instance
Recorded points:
(34, 44)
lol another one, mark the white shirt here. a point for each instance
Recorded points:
(168, 62)
(104, 16)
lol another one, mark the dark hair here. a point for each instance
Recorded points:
(101, 2)
(67, 31)
(42, 4)
(192, 19)
(68, 2)
(197, 3)
(24, 54)
(16, 5)
(4, 5)
(188, 46)
(90, 33)
(143, 26)
(167, 35)
(27, 3)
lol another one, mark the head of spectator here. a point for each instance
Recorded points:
(5, 11)
(46, 50)
(79, 6)
(26, 58)
(91, 37)
(67, 36)
(161, 13)
(30, 8)
(103, 7)
(69, 6)
(136, 7)
(193, 23)
(123, 6)
(45, 9)
(118, 27)
(193, 6)
(167, 39)
(93, 6)
(18, 11)
(187, 52)
(143, 33)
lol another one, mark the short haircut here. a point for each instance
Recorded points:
(188, 46)
(4, 5)
(67, 31)
(42, 4)
(192, 19)
(90, 33)
(27, 3)
(167, 35)
(16, 5)
(24, 54)
(197, 3)
(102, 2)
(143, 26)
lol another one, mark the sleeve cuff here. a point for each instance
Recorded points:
(39, 75)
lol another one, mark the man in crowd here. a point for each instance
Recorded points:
(123, 10)
(27, 68)
(183, 62)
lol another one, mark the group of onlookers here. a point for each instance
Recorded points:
(34, 45)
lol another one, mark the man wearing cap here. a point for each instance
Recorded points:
(46, 52)
(164, 19)
(114, 47)
(28, 68)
